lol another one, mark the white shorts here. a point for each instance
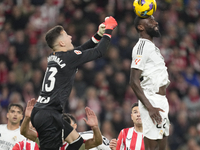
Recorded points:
(151, 130)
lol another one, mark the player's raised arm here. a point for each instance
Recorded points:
(96, 52)
(92, 121)
(95, 39)
(25, 126)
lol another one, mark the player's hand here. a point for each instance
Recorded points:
(155, 115)
(92, 120)
(101, 29)
(113, 144)
(29, 107)
(110, 23)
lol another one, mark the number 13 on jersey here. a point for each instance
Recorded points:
(49, 79)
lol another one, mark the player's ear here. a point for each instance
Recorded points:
(74, 126)
(140, 27)
(61, 43)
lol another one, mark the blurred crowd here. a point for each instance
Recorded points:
(103, 85)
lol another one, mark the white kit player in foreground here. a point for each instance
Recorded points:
(149, 80)
(10, 132)
(130, 138)
(88, 135)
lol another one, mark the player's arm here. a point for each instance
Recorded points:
(76, 58)
(94, 40)
(25, 126)
(92, 121)
(135, 85)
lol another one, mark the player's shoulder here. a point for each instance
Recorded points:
(125, 130)
(144, 45)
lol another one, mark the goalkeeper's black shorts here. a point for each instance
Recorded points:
(51, 128)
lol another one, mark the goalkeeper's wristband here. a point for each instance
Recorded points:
(96, 38)
(108, 32)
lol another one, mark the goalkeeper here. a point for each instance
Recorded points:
(59, 77)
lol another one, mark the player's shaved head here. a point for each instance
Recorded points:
(137, 22)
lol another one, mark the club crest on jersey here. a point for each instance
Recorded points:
(77, 52)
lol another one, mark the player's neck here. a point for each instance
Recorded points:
(61, 50)
(146, 36)
(138, 128)
(11, 126)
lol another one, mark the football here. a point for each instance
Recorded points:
(144, 8)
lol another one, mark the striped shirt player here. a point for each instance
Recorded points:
(30, 145)
(130, 139)
(26, 145)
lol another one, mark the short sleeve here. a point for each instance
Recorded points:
(140, 55)
(105, 144)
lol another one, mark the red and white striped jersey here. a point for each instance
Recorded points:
(129, 139)
(26, 145)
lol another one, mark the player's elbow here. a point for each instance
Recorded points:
(132, 83)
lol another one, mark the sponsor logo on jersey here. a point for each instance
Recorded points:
(137, 61)
(77, 52)
(43, 99)
(128, 138)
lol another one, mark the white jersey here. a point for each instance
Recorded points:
(8, 138)
(89, 134)
(147, 57)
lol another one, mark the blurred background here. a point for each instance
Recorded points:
(103, 84)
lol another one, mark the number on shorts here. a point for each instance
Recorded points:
(50, 72)
(160, 125)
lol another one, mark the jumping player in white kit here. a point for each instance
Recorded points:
(149, 80)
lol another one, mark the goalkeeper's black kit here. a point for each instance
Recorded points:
(58, 80)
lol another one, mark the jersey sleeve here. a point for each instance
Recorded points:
(77, 57)
(89, 44)
(104, 145)
(120, 141)
(16, 147)
(140, 55)
(86, 135)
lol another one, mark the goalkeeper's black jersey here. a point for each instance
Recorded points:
(60, 73)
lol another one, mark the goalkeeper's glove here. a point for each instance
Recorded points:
(101, 30)
(110, 24)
